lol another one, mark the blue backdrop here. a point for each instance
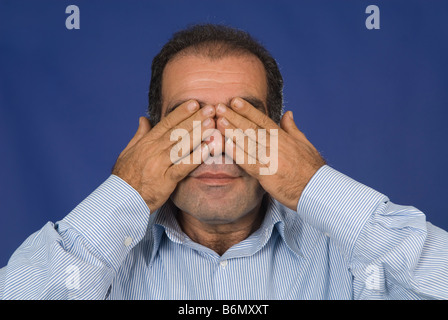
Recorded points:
(372, 101)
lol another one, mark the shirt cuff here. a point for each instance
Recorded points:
(112, 219)
(338, 206)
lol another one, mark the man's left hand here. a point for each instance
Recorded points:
(298, 160)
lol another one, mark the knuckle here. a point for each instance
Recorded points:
(263, 120)
(176, 174)
(166, 123)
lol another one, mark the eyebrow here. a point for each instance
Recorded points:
(257, 103)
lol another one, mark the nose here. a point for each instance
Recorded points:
(215, 142)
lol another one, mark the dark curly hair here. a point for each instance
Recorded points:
(220, 41)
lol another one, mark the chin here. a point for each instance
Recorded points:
(217, 204)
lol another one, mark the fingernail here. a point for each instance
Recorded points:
(206, 122)
(291, 115)
(192, 106)
(207, 110)
(237, 103)
(224, 122)
(221, 108)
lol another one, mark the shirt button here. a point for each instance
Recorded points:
(127, 241)
(223, 263)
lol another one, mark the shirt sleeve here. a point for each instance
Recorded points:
(77, 257)
(391, 250)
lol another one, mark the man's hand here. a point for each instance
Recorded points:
(146, 164)
(298, 159)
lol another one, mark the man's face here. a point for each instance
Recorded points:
(215, 193)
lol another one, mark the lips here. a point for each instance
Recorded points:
(216, 175)
(218, 179)
(213, 175)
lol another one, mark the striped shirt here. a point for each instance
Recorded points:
(345, 241)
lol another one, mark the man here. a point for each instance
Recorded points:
(167, 226)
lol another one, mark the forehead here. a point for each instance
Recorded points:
(213, 81)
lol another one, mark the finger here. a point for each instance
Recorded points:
(202, 117)
(287, 123)
(261, 137)
(184, 111)
(182, 143)
(255, 166)
(245, 160)
(228, 119)
(144, 127)
(185, 137)
(248, 111)
(179, 170)
(236, 119)
(177, 142)
(252, 153)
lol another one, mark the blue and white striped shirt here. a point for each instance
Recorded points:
(346, 241)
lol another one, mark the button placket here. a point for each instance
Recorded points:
(221, 280)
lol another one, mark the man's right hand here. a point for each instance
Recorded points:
(145, 163)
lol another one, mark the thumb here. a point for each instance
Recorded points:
(143, 128)
(287, 123)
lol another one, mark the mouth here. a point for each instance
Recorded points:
(215, 178)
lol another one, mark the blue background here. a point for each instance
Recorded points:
(372, 101)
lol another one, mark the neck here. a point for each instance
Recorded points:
(221, 236)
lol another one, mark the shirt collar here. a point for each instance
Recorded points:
(278, 219)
